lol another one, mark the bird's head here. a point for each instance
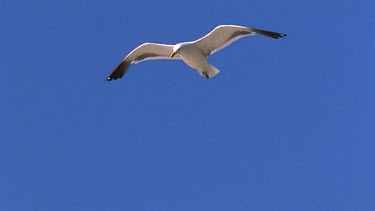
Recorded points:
(176, 49)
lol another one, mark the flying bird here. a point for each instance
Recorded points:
(193, 53)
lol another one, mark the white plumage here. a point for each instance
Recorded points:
(193, 53)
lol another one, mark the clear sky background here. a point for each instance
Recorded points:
(288, 124)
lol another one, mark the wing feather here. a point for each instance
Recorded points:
(224, 35)
(146, 51)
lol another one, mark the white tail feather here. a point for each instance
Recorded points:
(211, 71)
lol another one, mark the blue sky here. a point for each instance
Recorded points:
(287, 125)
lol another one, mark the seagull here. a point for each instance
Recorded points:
(193, 53)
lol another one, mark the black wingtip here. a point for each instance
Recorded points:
(274, 35)
(119, 71)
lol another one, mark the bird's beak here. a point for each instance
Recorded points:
(172, 54)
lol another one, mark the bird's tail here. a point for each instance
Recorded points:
(210, 71)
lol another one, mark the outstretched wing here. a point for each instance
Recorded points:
(146, 51)
(224, 35)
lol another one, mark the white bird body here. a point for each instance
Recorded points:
(194, 53)
(195, 59)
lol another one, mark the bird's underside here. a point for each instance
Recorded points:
(193, 53)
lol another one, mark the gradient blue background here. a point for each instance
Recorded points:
(288, 124)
